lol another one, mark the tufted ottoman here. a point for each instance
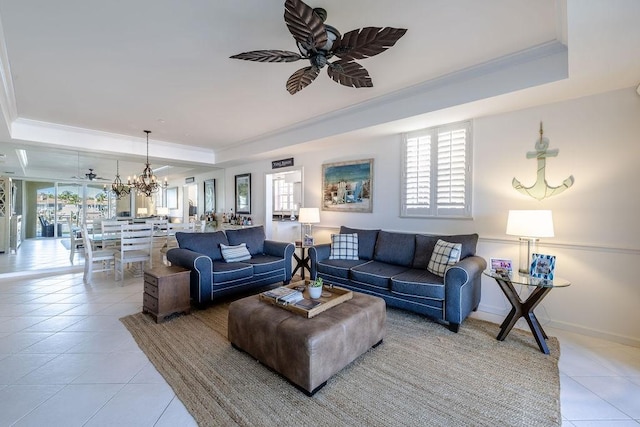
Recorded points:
(307, 351)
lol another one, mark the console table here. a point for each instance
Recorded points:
(525, 308)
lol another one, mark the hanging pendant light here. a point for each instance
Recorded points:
(147, 183)
(117, 187)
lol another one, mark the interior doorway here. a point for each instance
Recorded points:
(283, 200)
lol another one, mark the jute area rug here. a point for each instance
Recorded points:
(421, 375)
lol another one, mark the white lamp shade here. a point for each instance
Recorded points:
(142, 211)
(162, 211)
(530, 223)
(309, 215)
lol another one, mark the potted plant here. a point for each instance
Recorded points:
(315, 288)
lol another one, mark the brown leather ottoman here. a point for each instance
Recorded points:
(307, 351)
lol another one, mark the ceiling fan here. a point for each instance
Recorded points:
(90, 176)
(319, 42)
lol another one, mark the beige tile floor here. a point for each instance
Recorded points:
(66, 360)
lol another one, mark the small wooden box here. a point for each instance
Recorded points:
(166, 292)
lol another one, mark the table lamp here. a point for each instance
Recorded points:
(162, 211)
(142, 212)
(529, 226)
(307, 217)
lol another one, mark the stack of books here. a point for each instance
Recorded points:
(284, 295)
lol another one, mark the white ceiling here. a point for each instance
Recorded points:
(87, 76)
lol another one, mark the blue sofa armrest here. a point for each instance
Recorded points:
(318, 253)
(201, 267)
(282, 250)
(462, 283)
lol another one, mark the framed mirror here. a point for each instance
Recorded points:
(243, 193)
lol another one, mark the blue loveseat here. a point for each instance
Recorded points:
(212, 277)
(393, 266)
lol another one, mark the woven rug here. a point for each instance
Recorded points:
(422, 374)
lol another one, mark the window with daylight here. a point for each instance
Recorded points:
(283, 200)
(437, 172)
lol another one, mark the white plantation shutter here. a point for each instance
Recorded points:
(437, 173)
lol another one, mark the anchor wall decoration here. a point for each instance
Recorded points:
(541, 188)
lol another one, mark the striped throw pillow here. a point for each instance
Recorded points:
(235, 253)
(344, 246)
(444, 255)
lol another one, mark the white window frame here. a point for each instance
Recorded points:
(283, 200)
(418, 203)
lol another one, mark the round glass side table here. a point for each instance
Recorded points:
(525, 308)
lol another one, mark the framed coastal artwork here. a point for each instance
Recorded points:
(209, 196)
(243, 193)
(348, 186)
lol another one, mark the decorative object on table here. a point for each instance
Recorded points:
(146, 183)
(319, 42)
(307, 217)
(315, 288)
(162, 212)
(529, 225)
(542, 266)
(209, 196)
(117, 187)
(142, 212)
(243, 193)
(501, 265)
(541, 188)
(348, 186)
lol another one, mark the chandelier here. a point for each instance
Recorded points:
(117, 187)
(147, 183)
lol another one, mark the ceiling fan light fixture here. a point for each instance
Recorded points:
(146, 183)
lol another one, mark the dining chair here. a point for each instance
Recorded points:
(160, 232)
(75, 240)
(135, 247)
(105, 257)
(172, 229)
(110, 234)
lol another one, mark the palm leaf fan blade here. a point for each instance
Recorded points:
(349, 73)
(301, 79)
(273, 55)
(367, 42)
(304, 24)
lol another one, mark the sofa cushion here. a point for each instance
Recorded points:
(235, 253)
(338, 267)
(265, 263)
(418, 283)
(344, 246)
(366, 241)
(376, 273)
(444, 255)
(252, 236)
(230, 271)
(426, 243)
(395, 248)
(204, 243)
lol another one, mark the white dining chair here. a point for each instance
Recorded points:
(103, 259)
(135, 247)
(172, 229)
(160, 232)
(110, 234)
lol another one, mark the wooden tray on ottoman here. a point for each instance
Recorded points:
(337, 296)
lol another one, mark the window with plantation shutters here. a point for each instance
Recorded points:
(437, 172)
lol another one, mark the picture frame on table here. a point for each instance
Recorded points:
(542, 266)
(501, 266)
(243, 193)
(348, 186)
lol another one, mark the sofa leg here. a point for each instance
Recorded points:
(454, 327)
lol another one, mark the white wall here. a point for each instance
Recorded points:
(596, 240)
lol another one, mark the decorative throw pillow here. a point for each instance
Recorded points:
(344, 246)
(444, 255)
(235, 253)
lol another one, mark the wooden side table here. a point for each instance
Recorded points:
(302, 261)
(166, 292)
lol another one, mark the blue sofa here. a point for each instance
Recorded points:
(393, 266)
(212, 277)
